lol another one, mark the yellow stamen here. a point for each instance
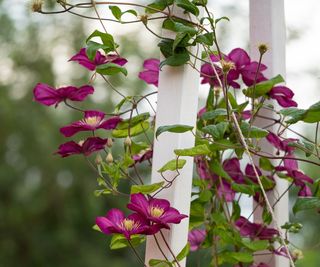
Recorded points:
(156, 212)
(129, 225)
(92, 121)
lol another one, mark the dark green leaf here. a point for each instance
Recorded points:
(176, 60)
(188, 6)
(111, 69)
(160, 263)
(306, 203)
(256, 245)
(252, 131)
(217, 131)
(116, 12)
(134, 131)
(118, 241)
(177, 128)
(210, 115)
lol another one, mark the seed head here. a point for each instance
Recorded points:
(227, 66)
(36, 5)
(263, 48)
(144, 19)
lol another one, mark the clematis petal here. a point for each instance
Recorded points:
(82, 58)
(93, 144)
(139, 203)
(240, 57)
(81, 93)
(45, 94)
(195, 238)
(68, 149)
(110, 124)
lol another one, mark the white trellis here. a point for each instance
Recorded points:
(178, 103)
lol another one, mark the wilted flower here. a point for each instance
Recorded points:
(93, 120)
(255, 230)
(99, 59)
(49, 96)
(151, 73)
(36, 5)
(158, 211)
(283, 95)
(86, 147)
(115, 222)
(195, 238)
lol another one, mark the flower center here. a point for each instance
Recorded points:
(92, 121)
(156, 212)
(129, 225)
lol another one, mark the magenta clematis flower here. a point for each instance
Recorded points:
(195, 238)
(86, 147)
(225, 191)
(232, 167)
(246, 115)
(255, 230)
(145, 155)
(116, 223)
(283, 95)
(99, 59)
(151, 71)
(250, 173)
(93, 120)
(157, 211)
(47, 95)
(243, 66)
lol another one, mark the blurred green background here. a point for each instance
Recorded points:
(47, 205)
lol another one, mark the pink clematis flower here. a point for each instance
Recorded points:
(151, 71)
(99, 59)
(157, 211)
(145, 155)
(243, 66)
(47, 95)
(283, 95)
(93, 120)
(116, 223)
(195, 238)
(86, 147)
(232, 167)
(255, 230)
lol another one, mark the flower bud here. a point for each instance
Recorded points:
(110, 142)
(263, 48)
(36, 5)
(98, 159)
(144, 19)
(128, 141)
(109, 158)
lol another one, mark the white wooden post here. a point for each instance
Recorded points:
(267, 25)
(177, 104)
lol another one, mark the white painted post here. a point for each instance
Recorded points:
(177, 104)
(267, 25)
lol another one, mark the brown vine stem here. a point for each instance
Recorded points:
(136, 253)
(168, 246)
(247, 150)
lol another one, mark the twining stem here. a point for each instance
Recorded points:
(136, 253)
(169, 248)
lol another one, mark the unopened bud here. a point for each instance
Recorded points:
(109, 158)
(128, 141)
(263, 48)
(144, 19)
(98, 159)
(36, 5)
(109, 142)
(227, 66)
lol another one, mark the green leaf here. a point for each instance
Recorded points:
(313, 113)
(294, 114)
(217, 131)
(158, 4)
(137, 147)
(111, 69)
(176, 128)
(116, 12)
(160, 263)
(176, 60)
(252, 131)
(205, 196)
(106, 39)
(265, 164)
(134, 131)
(188, 6)
(146, 189)
(118, 241)
(173, 165)
(184, 252)
(206, 39)
(306, 203)
(235, 257)
(262, 88)
(194, 151)
(256, 245)
(220, 19)
(210, 115)
(101, 192)
(133, 121)
(217, 168)
(245, 189)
